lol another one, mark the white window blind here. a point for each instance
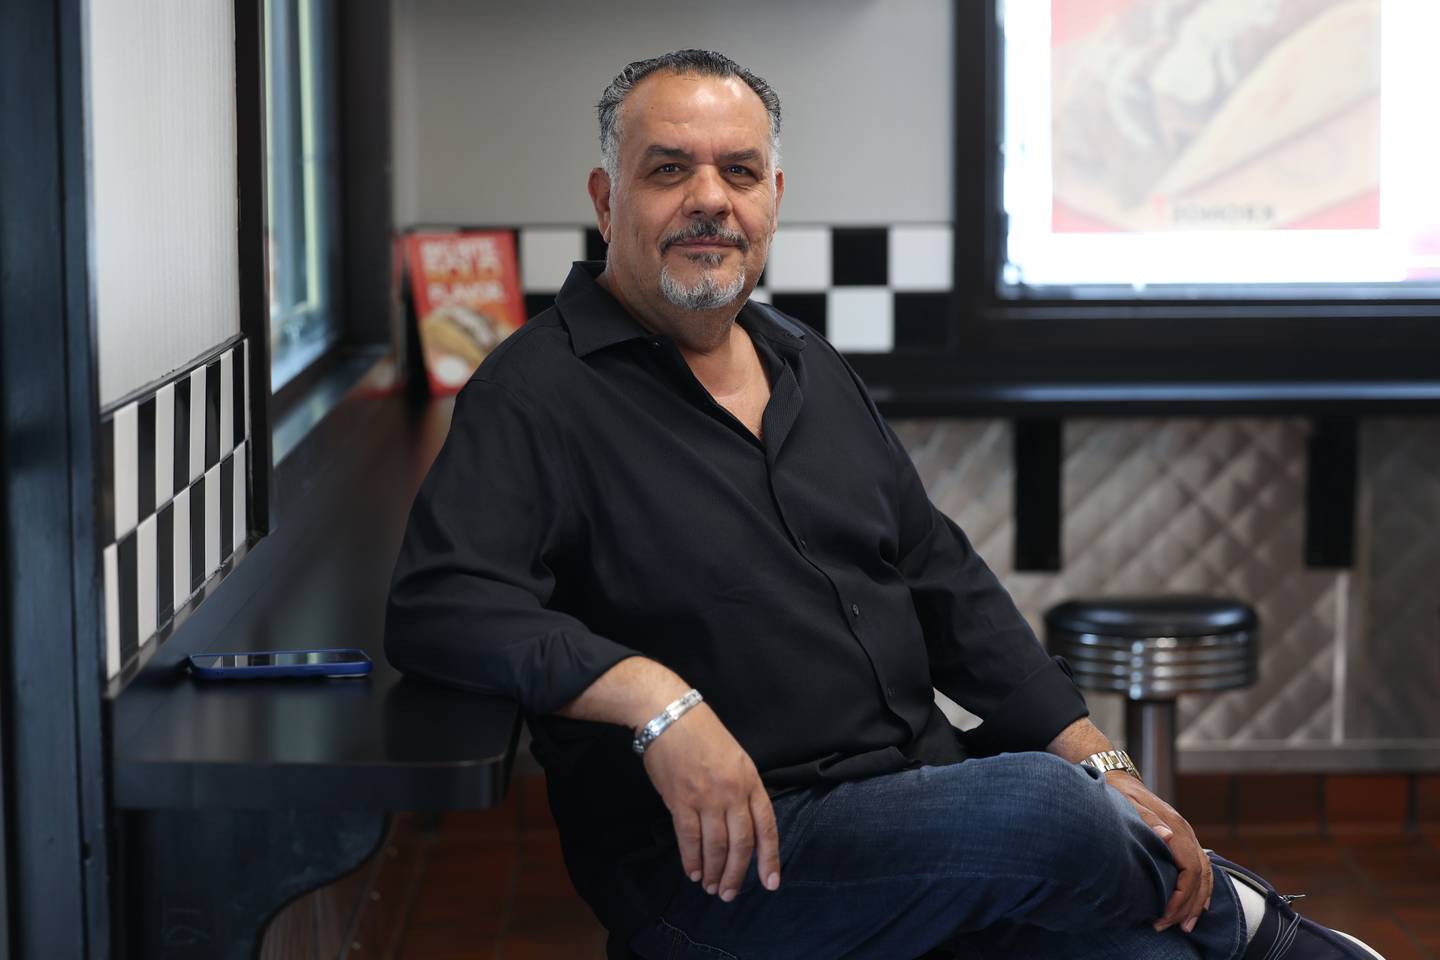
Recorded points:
(161, 101)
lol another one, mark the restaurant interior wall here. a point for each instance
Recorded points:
(495, 114)
(494, 125)
(1350, 656)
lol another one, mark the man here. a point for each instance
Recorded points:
(671, 524)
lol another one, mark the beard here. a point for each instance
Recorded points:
(705, 293)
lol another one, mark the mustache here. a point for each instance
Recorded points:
(704, 230)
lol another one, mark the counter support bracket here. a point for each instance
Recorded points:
(203, 884)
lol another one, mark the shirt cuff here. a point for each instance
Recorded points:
(562, 666)
(1044, 703)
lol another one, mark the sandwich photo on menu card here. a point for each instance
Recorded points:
(466, 290)
(1216, 114)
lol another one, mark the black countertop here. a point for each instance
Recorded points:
(319, 580)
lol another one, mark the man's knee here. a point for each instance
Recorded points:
(1060, 805)
(1042, 784)
(1091, 835)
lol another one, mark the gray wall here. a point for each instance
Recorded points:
(494, 125)
(494, 107)
(161, 102)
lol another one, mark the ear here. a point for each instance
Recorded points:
(779, 193)
(599, 187)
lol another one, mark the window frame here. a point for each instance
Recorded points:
(1155, 354)
(325, 275)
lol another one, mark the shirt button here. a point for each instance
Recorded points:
(855, 609)
(803, 544)
(890, 691)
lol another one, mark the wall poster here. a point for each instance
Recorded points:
(466, 291)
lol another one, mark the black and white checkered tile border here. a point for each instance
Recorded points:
(867, 289)
(175, 495)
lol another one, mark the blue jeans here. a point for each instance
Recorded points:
(1018, 856)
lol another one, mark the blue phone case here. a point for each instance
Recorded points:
(357, 669)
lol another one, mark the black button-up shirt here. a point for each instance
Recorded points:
(593, 502)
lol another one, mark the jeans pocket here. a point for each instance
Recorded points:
(682, 947)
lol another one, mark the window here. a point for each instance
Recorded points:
(1077, 310)
(1213, 148)
(299, 188)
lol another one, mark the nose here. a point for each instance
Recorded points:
(708, 195)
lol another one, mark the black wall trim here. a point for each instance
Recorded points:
(1039, 463)
(1018, 349)
(977, 65)
(254, 307)
(1332, 476)
(365, 171)
(975, 396)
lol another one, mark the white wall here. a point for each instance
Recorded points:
(495, 120)
(161, 101)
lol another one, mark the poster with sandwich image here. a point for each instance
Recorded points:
(466, 291)
(1184, 148)
(1173, 115)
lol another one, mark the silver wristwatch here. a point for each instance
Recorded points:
(669, 715)
(1108, 760)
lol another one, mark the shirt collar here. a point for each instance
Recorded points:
(596, 320)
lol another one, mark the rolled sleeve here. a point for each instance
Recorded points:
(471, 600)
(1032, 714)
(982, 653)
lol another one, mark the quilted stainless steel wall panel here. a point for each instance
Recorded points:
(1217, 506)
(1392, 688)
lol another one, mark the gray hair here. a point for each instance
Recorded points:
(702, 63)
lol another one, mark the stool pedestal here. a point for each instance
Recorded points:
(1150, 741)
(1153, 649)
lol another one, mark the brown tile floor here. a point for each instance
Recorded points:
(495, 885)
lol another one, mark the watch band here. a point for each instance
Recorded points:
(663, 719)
(1108, 760)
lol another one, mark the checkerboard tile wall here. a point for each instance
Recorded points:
(175, 495)
(867, 289)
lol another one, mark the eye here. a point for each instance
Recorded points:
(738, 170)
(668, 168)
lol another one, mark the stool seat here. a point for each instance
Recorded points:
(1169, 615)
(1152, 649)
(1156, 647)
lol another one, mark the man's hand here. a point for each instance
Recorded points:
(721, 811)
(1193, 887)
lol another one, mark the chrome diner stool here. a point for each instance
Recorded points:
(1153, 649)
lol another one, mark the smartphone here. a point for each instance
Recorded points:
(263, 664)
